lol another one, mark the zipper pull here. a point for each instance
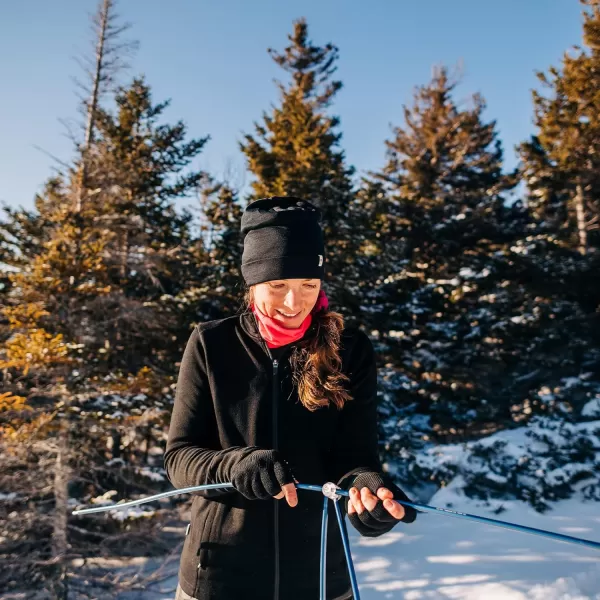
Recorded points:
(202, 564)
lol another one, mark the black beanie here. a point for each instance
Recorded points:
(282, 240)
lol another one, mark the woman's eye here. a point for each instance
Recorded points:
(277, 286)
(310, 286)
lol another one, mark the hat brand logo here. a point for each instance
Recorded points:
(320, 260)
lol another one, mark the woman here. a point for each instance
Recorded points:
(279, 394)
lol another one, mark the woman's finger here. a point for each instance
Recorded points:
(384, 494)
(279, 496)
(356, 501)
(368, 500)
(351, 507)
(289, 490)
(396, 510)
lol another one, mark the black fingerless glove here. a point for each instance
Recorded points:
(377, 521)
(261, 474)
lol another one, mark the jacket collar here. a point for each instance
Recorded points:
(250, 326)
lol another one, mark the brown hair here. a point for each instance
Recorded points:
(316, 363)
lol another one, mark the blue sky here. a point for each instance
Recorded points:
(210, 58)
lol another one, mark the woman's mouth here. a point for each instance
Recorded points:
(289, 316)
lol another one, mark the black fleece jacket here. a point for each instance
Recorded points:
(233, 395)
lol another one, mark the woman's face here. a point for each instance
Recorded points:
(288, 301)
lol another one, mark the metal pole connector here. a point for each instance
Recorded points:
(329, 490)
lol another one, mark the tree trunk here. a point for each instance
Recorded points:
(124, 255)
(103, 15)
(61, 495)
(116, 444)
(149, 440)
(60, 543)
(581, 227)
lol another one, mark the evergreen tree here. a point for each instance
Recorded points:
(296, 152)
(474, 315)
(223, 246)
(95, 326)
(101, 71)
(444, 255)
(561, 162)
(139, 167)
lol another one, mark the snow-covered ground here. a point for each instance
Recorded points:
(442, 557)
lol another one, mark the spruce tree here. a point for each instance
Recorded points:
(561, 167)
(561, 162)
(295, 151)
(475, 316)
(219, 252)
(445, 231)
(95, 327)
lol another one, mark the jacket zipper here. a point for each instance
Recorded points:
(275, 447)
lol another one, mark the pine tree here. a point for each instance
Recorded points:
(101, 72)
(38, 360)
(442, 190)
(475, 313)
(296, 152)
(221, 250)
(139, 167)
(95, 324)
(443, 253)
(561, 162)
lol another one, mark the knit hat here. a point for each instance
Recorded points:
(282, 240)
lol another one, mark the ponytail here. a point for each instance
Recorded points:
(316, 364)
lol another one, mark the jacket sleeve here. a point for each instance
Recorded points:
(355, 445)
(355, 449)
(193, 454)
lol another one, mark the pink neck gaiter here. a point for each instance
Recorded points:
(276, 335)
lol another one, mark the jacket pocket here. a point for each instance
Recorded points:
(207, 536)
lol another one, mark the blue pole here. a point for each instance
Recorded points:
(324, 548)
(505, 524)
(486, 520)
(346, 543)
(424, 507)
(176, 492)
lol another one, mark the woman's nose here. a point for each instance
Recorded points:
(292, 301)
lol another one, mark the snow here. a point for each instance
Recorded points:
(105, 498)
(133, 512)
(591, 409)
(442, 557)
(5, 268)
(468, 273)
(445, 558)
(540, 462)
(155, 474)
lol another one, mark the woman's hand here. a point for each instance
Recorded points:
(365, 500)
(289, 491)
(264, 474)
(373, 505)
